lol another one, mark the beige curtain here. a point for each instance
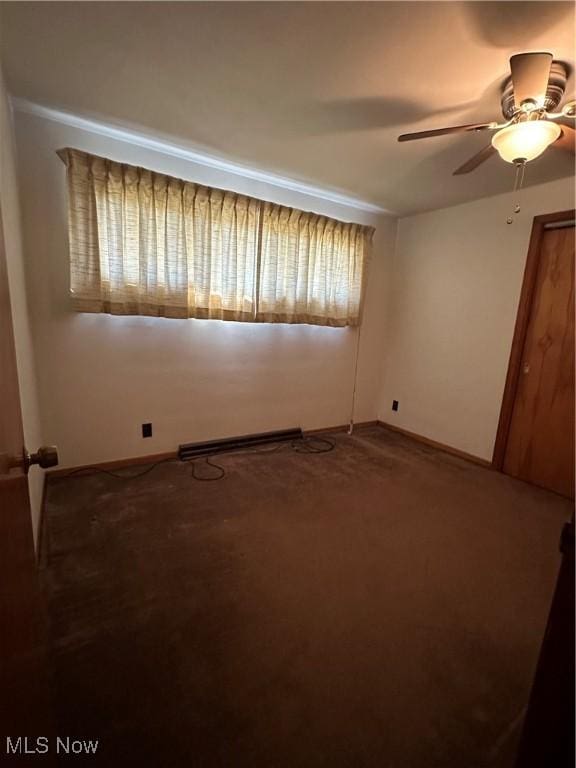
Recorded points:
(311, 268)
(143, 243)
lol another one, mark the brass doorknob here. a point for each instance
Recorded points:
(46, 456)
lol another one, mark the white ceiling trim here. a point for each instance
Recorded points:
(210, 161)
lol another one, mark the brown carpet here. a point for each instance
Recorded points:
(381, 605)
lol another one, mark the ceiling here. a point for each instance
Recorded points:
(317, 92)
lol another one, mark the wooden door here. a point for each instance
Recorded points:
(540, 442)
(25, 704)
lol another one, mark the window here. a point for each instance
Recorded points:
(143, 243)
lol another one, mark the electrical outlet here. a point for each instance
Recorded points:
(394, 405)
(146, 430)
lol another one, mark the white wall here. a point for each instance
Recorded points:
(9, 205)
(457, 275)
(101, 377)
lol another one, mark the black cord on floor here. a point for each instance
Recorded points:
(313, 445)
(118, 475)
(221, 471)
(306, 445)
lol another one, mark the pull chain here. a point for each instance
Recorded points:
(518, 182)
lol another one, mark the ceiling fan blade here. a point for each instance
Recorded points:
(567, 140)
(530, 74)
(443, 131)
(474, 162)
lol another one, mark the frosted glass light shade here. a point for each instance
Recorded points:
(525, 141)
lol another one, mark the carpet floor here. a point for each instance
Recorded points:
(378, 606)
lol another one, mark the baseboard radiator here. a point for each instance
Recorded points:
(210, 447)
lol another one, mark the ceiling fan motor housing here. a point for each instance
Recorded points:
(554, 92)
(530, 100)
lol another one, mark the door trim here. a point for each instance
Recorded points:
(520, 330)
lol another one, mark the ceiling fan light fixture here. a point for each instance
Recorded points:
(526, 140)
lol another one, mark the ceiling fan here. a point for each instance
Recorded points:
(535, 88)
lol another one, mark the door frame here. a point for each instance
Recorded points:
(521, 329)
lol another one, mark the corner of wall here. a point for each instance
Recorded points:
(455, 284)
(387, 321)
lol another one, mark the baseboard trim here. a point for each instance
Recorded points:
(435, 444)
(154, 457)
(150, 458)
(340, 428)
